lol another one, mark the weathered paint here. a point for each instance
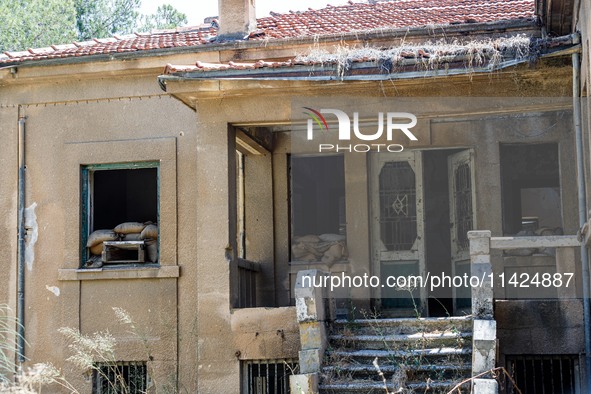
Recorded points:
(32, 234)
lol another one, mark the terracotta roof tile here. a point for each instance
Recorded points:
(352, 17)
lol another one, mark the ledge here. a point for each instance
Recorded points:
(543, 241)
(151, 272)
(338, 266)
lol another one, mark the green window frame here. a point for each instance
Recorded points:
(86, 187)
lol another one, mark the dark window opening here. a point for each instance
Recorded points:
(318, 219)
(124, 196)
(531, 189)
(267, 376)
(119, 202)
(543, 374)
(318, 195)
(120, 378)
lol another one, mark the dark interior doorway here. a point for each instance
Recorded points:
(437, 227)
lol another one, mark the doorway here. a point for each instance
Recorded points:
(422, 208)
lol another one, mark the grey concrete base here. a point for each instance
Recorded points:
(485, 386)
(484, 346)
(304, 383)
(310, 360)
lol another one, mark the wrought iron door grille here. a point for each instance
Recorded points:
(548, 374)
(463, 198)
(398, 208)
(125, 377)
(267, 376)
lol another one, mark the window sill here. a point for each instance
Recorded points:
(108, 273)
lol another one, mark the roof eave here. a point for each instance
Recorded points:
(373, 70)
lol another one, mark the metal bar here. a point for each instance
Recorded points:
(552, 374)
(275, 379)
(582, 208)
(525, 380)
(572, 375)
(22, 233)
(251, 377)
(267, 373)
(561, 376)
(533, 367)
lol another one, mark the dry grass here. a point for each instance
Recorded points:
(485, 53)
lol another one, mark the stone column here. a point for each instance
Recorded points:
(313, 312)
(484, 339)
(482, 296)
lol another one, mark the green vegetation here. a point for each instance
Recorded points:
(38, 23)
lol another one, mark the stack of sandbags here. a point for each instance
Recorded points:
(327, 248)
(543, 231)
(147, 232)
(128, 231)
(150, 236)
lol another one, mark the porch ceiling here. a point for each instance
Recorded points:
(556, 15)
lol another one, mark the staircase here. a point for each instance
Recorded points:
(426, 355)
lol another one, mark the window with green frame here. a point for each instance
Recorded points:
(116, 195)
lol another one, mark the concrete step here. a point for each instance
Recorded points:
(415, 373)
(370, 369)
(402, 326)
(442, 353)
(366, 387)
(427, 355)
(400, 341)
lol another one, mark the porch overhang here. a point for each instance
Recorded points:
(191, 83)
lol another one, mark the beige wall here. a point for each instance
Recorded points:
(164, 303)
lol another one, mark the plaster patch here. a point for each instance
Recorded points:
(32, 234)
(54, 289)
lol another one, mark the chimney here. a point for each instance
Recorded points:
(237, 19)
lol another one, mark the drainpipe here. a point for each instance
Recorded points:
(582, 207)
(20, 340)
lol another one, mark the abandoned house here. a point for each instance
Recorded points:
(216, 182)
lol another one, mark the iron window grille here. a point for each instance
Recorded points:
(124, 377)
(267, 376)
(543, 374)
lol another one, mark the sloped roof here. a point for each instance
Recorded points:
(392, 14)
(350, 18)
(182, 37)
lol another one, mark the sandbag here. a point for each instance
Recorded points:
(298, 251)
(97, 249)
(150, 232)
(334, 254)
(132, 237)
(129, 228)
(307, 239)
(99, 236)
(152, 251)
(308, 258)
(332, 237)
